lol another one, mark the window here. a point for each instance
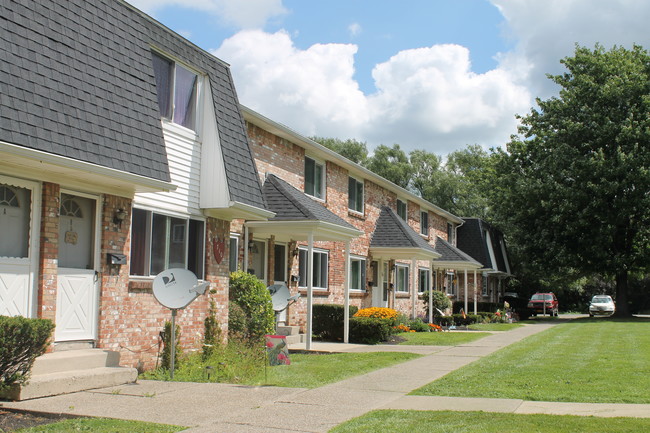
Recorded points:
(314, 178)
(357, 273)
(484, 288)
(401, 209)
(233, 253)
(160, 242)
(355, 195)
(450, 234)
(424, 223)
(451, 284)
(424, 283)
(280, 263)
(320, 268)
(401, 278)
(15, 220)
(176, 87)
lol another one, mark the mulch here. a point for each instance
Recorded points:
(12, 420)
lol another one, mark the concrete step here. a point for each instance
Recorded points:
(65, 382)
(295, 338)
(70, 360)
(288, 330)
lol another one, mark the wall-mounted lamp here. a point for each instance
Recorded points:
(119, 217)
(295, 252)
(252, 247)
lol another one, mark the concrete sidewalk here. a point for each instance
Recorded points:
(209, 408)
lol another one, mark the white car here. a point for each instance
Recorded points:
(601, 305)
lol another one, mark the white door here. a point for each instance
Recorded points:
(19, 228)
(78, 283)
(280, 273)
(380, 291)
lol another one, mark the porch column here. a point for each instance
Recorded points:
(475, 291)
(434, 274)
(465, 310)
(310, 286)
(414, 295)
(346, 288)
(245, 264)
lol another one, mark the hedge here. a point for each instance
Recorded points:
(327, 321)
(254, 298)
(369, 330)
(22, 340)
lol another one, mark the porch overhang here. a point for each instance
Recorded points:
(457, 265)
(48, 167)
(404, 253)
(238, 210)
(286, 230)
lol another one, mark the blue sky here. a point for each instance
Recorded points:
(430, 74)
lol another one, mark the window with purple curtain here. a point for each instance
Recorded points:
(176, 87)
(185, 98)
(162, 69)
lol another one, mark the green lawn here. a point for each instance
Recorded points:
(101, 425)
(440, 338)
(313, 370)
(494, 326)
(409, 421)
(594, 361)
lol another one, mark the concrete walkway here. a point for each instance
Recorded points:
(209, 408)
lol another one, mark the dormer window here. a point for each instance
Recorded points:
(176, 87)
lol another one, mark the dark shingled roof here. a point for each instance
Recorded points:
(290, 204)
(449, 253)
(473, 241)
(391, 231)
(77, 81)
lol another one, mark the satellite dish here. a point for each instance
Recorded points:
(176, 288)
(280, 296)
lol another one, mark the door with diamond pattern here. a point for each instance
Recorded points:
(78, 283)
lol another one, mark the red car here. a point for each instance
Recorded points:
(542, 303)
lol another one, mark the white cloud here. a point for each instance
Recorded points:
(309, 90)
(427, 98)
(547, 31)
(242, 14)
(354, 29)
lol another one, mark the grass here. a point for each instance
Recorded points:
(587, 360)
(494, 326)
(409, 421)
(101, 425)
(440, 338)
(239, 363)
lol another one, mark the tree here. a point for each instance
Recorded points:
(355, 151)
(391, 163)
(575, 189)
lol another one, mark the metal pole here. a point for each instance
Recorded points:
(173, 344)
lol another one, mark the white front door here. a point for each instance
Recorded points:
(380, 290)
(19, 234)
(78, 282)
(280, 273)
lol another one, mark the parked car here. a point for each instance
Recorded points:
(542, 303)
(601, 305)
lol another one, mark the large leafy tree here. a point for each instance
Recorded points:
(354, 150)
(391, 163)
(575, 184)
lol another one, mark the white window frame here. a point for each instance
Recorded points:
(319, 195)
(424, 227)
(303, 252)
(361, 282)
(400, 267)
(148, 241)
(427, 286)
(451, 234)
(406, 209)
(451, 286)
(363, 192)
(484, 288)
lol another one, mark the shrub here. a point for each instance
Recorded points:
(165, 362)
(418, 325)
(21, 341)
(445, 320)
(236, 321)
(369, 330)
(380, 313)
(492, 307)
(469, 319)
(327, 321)
(253, 297)
(212, 332)
(440, 301)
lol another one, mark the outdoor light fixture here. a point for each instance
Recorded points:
(119, 217)
(252, 247)
(295, 252)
